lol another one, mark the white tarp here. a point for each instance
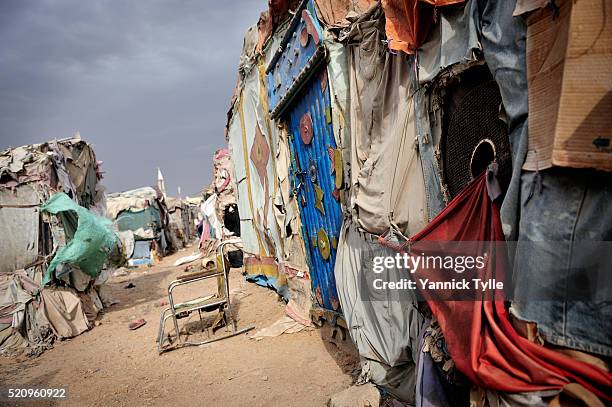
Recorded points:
(19, 228)
(387, 185)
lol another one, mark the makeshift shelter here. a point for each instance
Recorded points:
(396, 109)
(270, 226)
(223, 184)
(300, 98)
(141, 216)
(55, 243)
(180, 223)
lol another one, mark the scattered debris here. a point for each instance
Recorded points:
(190, 268)
(120, 272)
(188, 259)
(137, 323)
(284, 325)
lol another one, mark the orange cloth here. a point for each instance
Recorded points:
(408, 22)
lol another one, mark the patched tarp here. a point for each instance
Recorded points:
(251, 142)
(19, 223)
(387, 186)
(278, 11)
(407, 24)
(452, 40)
(387, 192)
(293, 261)
(134, 200)
(21, 313)
(338, 81)
(145, 223)
(452, 46)
(385, 325)
(224, 186)
(91, 244)
(65, 312)
(254, 166)
(270, 226)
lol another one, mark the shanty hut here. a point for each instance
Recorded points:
(54, 243)
(142, 219)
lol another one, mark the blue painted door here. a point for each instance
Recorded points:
(314, 183)
(298, 94)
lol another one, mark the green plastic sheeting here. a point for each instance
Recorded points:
(91, 244)
(148, 218)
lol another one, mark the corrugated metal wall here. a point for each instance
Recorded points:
(314, 184)
(299, 95)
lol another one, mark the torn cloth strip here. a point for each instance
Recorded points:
(264, 271)
(480, 337)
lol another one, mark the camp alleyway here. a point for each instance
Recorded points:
(357, 130)
(113, 366)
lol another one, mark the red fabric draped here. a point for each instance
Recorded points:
(482, 341)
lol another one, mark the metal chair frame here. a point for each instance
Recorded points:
(175, 311)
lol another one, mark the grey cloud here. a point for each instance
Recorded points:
(147, 82)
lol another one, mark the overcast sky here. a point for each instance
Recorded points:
(147, 82)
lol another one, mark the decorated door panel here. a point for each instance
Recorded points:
(299, 94)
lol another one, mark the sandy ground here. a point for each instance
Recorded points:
(113, 366)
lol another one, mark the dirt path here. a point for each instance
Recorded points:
(113, 366)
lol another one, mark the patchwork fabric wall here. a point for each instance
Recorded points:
(250, 140)
(386, 196)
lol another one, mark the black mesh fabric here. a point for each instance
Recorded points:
(471, 115)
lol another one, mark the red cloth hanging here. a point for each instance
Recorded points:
(480, 337)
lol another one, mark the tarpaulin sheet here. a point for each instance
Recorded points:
(135, 200)
(251, 140)
(452, 40)
(383, 324)
(21, 313)
(335, 13)
(248, 232)
(385, 163)
(147, 220)
(338, 82)
(264, 271)
(224, 186)
(293, 262)
(65, 312)
(250, 143)
(479, 335)
(89, 247)
(16, 290)
(19, 227)
(408, 22)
